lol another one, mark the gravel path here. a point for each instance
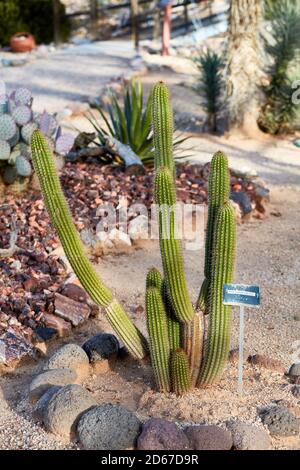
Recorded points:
(70, 74)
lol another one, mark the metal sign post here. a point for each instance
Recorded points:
(241, 295)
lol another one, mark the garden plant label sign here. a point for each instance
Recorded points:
(241, 295)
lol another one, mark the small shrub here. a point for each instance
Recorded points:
(129, 123)
(279, 111)
(34, 16)
(210, 86)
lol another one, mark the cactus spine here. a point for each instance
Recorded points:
(60, 215)
(222, 270)
(158, 338)
(192, 339)
(180, 373)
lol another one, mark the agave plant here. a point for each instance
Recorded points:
(130, 123)
(210, 86)
(280, 112)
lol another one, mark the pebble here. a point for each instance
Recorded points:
(280, 422)
(69, 356)
(248, 437)
(138, 228)
(100, 347)
(296, 391)
(65, 408)
(42, 382)
(40, 406)
(208, 437)
(108, 427)
(295, 370)
(160, 434)
(75, 292)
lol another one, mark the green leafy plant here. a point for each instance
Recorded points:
(34, 16)
(175, 327)
(129, 123)
(279, 111)
(210, 86)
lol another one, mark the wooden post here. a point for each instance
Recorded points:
(94, 17)
(186, 15)
(156, 24)
(56, 25)
(134, 22)
(166, 36)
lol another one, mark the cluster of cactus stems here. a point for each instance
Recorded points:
(18, 120)
(175, 326)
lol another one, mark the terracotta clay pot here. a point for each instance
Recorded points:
(22, 42)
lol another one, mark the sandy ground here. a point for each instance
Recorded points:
(267, 255)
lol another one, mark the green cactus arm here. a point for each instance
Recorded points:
(202, 302)
(192, 340)
(180, 373)
(170, 246)
(218, 194)
(162, 121)
(60, 216)
(158, 338)
(218, 342)
(173, 323)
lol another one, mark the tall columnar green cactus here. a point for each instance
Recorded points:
(218, 194)
(180, 373)
(170, 246)
(158, 338)
(222, 271)
(173, 324)
(192, 340)
(60, 215)
(162, 121)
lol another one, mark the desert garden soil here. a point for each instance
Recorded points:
(267, 255)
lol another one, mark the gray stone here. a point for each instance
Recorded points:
(248, 437)
(70, 356)
(160, 434)
(208, 437)
(64, 409)
(295, 370)
(41, 404)
(42, 382)
(108, 427)
(101, 346)
(138, 228)
(281, 422)
(296, 391)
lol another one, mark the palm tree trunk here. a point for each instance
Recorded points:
(244, 63)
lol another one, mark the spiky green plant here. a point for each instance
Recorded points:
(180, 373)
(60, 215)
(218, 194)
(158, 338)
(222, 271)
(170, 246)
(129, 123)
(154, 279)
(210, 86)
(280, 111)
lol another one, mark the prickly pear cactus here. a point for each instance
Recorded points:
(18, 121)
